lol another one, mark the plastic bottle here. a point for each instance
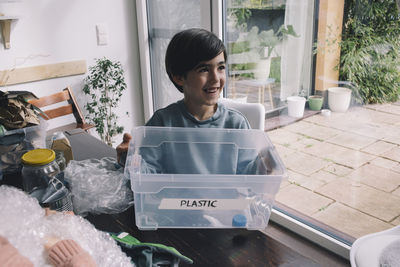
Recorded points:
(61, 143)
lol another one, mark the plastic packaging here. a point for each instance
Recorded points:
(29, 235)
(98, 186)
(39, 166)
(14, 143)
(62, 163)
(57, 196)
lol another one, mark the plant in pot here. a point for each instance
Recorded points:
(264, 44)
(104, 85)
(253, 50)
(315, 102)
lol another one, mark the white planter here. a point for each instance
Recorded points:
(339, 99)
(262, 70)
(296, 106)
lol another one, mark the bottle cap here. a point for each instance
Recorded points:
(38, 157)
(239, 220)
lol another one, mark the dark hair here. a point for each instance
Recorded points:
(188, 48)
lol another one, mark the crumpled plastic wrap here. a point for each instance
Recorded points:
(98, 186)
(24, 224)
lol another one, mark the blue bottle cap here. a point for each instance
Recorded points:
(239, 220)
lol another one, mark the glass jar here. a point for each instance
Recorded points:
(39, 166)
(60, 159)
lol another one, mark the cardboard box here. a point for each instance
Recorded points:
(64, 146)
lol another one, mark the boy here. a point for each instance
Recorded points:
(195, 63)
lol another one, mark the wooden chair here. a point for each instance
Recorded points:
(72, 107)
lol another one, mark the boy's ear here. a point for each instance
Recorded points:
(178, 79)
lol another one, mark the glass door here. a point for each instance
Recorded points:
(269, 44)
(164, 19)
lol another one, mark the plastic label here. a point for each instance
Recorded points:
(203, 204)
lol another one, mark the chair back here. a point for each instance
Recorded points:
(254, 112)
(71, 107)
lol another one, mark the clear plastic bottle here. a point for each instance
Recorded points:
(60, 159)
(39, 166)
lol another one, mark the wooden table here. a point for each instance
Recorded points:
(210, 247)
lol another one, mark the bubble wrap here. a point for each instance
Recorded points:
(98, 186)
(24, 224)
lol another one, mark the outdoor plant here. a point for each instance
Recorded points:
(370, 49)
(104, 85)
(255, 46)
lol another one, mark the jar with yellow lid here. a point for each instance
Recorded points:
(39, 166)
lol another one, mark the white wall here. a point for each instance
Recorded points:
(54, 31)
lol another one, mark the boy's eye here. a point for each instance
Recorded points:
(222, 67)
(203, 70)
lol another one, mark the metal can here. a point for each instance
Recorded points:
(39, 166)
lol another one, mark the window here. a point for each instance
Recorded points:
(270, 50)
(343, 168)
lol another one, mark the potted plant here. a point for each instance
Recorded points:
(254, 49)
(315, 102)
(104, 86)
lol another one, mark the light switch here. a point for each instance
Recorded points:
(102, 34)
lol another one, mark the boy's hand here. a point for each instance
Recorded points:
(122, 149)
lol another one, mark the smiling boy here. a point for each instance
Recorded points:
(195, 62)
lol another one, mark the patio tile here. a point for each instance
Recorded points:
(302, 200)
(323, 149)
(350, 221)
(283, 137)
(396, 192)
(366, 129)
(352, 158)
(396, 168)
(304, 144)
(340, 155)
(305, 181)
(335, 121)
(385, 163)
(284, 183)
(303, 163)
(312, 130)
(393, 134)
(393, 109)
(367, 114)
(377, 177)
(283, 151)
(338, 170)
(392, 139)
(351, 140)
(374, 202)
(324, 176)
(393, 154)
(378, 148)
(396, 221)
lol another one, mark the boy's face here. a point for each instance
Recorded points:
(203, 84)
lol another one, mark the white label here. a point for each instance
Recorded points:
(203, 204)
(122, 235)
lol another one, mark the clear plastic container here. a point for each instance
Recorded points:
(14, 143)
(202, 178)
(39, 166)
